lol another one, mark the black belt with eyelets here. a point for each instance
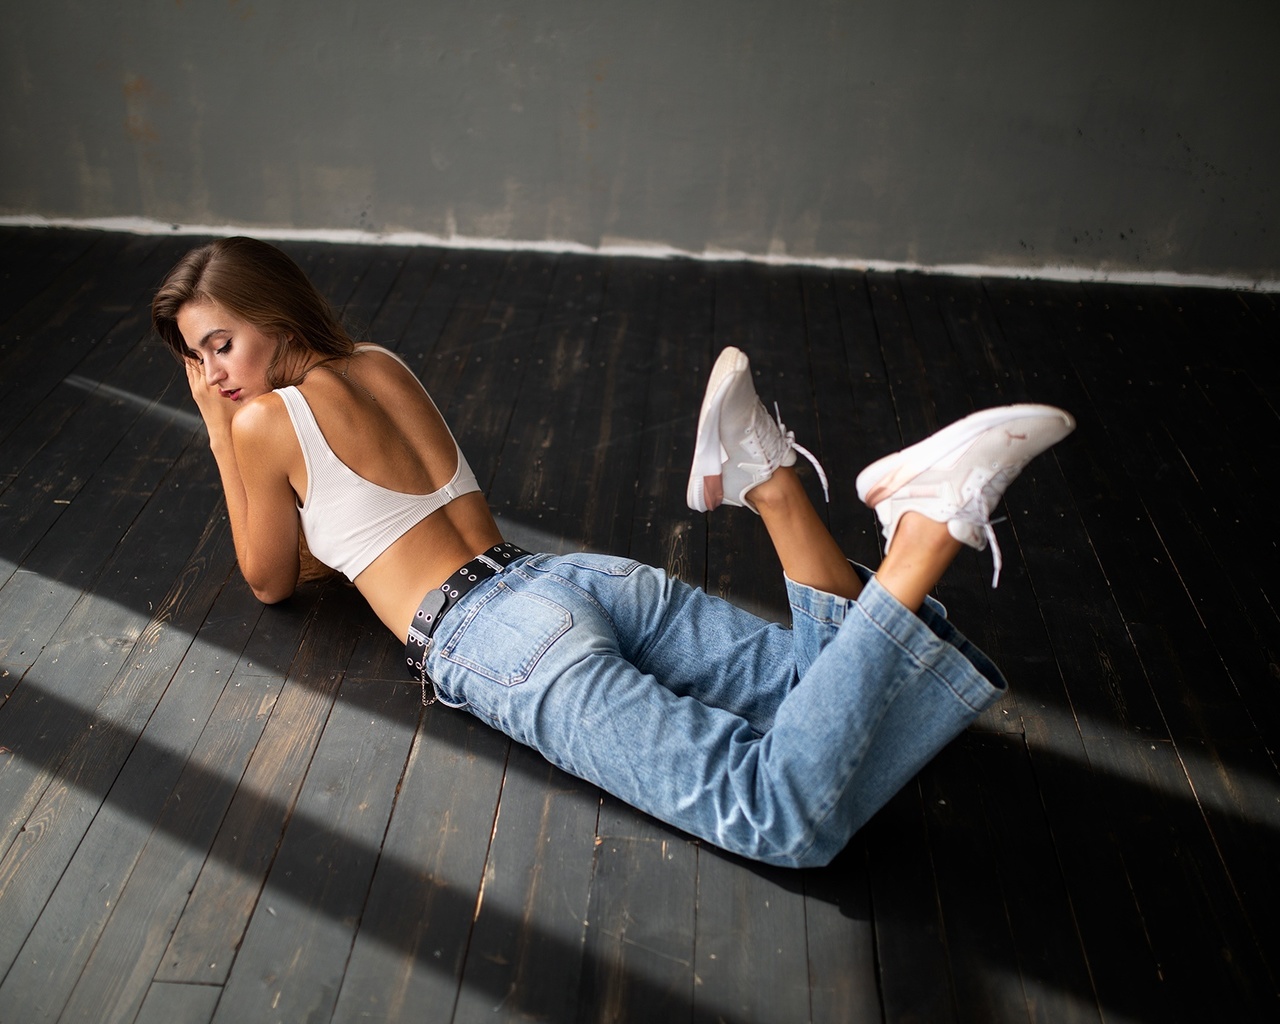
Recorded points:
(444, 597)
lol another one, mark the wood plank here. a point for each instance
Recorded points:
(839, 421)
(117, 978)
(604, 438)
(916, 388)
(1058, 689)
(751, 957)
(378, 280)
(910, 935)
(840, 934)
(1078, 801)
(640, 934)
(1166, 864)
(1051, 958)
(879, 431)
(416, 929)
(62, 284)
(664, 532)
(1102, 676)
(744, 967)
(50, 339)
(335, 269)
(79, 711)
(389, 323)
(754, 309)
(980, 945)
(71, 447)
(32, 259)
(98, 813)
(1207, 514)
(465, 278)
(226, 893)
(1231, 783)
(1031, 960)
(296, 948)
(543, 409)
(171, 1004)
(525, 957)
(1199, 700)
(1205, 955)
(498, 356)
(1111, 525)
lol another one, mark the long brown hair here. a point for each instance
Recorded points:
(259, 284)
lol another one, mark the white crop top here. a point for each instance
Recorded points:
(349, 521)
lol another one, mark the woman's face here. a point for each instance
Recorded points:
(235, 354)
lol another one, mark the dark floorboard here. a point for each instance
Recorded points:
(215, 811)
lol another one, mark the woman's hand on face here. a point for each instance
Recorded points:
(216, 411)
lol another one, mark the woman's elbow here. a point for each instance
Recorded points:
(270, 588)
(271, 595)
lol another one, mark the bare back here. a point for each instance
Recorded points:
(380, 423)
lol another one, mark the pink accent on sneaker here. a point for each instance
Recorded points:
(738, 446)
(713, 491)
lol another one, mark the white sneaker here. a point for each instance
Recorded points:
(959, 475)
(739, 445)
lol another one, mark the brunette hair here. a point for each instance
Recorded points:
(259, 284)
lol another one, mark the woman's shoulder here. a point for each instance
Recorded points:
(262, 415)
(263, 426)
(391, 368)
(369, 346)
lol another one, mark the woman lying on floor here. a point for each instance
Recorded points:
(776, 744)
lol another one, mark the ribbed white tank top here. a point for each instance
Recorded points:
(349, 521)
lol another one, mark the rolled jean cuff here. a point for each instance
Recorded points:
(927, 634)
(832, 609)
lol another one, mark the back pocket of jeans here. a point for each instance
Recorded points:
(504, 638)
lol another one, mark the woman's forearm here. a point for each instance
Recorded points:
(233, 490)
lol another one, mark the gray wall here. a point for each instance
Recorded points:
(1117, 135)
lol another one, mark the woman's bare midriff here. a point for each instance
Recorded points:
(394, 584)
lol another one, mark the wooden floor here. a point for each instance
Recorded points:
(213, 810)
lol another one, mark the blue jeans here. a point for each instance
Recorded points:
(773, 743)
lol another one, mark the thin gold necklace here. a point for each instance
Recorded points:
(350, 380)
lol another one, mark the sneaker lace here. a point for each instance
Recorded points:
(977, 508)
(789, 441)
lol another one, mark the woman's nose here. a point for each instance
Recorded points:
(212, 374)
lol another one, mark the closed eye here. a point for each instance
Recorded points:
(194, 354)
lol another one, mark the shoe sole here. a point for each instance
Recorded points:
(886, 476)
(707, 448)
